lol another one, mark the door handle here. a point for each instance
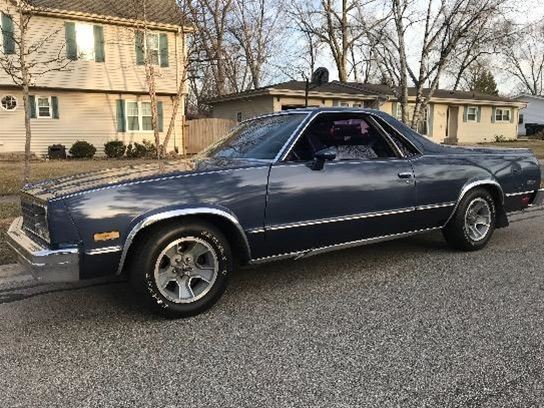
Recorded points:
(406, 175)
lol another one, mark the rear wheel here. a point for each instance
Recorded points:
(473, 223)
(182, 270)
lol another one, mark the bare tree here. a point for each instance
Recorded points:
(151, 56)
(255, 29)
(444, 24)
(334, 23)
(523, 58)
(26, 58)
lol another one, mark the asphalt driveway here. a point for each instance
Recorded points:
(405, 323)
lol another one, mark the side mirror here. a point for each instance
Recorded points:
(320, 157)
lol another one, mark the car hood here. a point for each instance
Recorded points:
(61, 187)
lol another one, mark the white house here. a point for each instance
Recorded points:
(533, 114)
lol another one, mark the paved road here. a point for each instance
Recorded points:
(406, 323)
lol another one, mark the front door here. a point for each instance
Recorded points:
(368, 191)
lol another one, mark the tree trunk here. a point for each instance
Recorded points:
(26, 92)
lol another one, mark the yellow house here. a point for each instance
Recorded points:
(451, 117)
(101, 93)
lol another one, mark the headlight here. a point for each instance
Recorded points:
(35, 217)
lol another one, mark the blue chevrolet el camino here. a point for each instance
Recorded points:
(287, 185)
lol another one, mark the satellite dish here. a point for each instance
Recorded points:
(320, 76)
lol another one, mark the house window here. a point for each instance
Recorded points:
(9, 103)
(397, 111)
(44, 106)
(503, 114)
(152, 48)
(147, 123)
(344, 104)
(133, 119)
(472, 114)
(85, 41)
(239, 117)
(139, 117)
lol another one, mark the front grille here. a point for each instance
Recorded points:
(35, 217)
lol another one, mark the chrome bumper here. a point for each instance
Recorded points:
(539, 199)
(45, 264)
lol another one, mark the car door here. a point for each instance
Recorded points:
(358, 196)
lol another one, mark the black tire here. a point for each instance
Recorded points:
(145, 256)
(456, 231)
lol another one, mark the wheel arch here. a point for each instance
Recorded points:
(494, 189)
(221, 218)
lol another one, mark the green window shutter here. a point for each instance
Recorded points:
(479, 114)
(55, 107)
(99, 53)
(7, 31)
(163, 44)
(493, 112)
(511, 115)
(32, 103)
(465, 114)
(121, 119)
(139, 46)
(71, 45)
(160, 113)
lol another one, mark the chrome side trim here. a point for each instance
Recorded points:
(469, 186)
(255, 231)
(353, 217)
(152, 219)
(435, 206)
(104, 250)
(340, 219)
(344, 245)
(519, 194)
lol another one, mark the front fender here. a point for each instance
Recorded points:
(168, 213)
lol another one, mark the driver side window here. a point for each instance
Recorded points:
(353, 137)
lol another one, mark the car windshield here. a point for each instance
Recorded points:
(260, 138)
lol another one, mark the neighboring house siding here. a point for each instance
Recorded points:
(82, 116)
(248, 108)
(119, 72)
(533, 113)
(486, 130)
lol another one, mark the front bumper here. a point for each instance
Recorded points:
(45, 264)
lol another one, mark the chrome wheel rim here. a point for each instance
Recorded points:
(478, 219)
(186, 270)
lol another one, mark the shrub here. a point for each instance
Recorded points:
(56, 151)
(150, 149)
(82, 150)
(136, 151)
(140, 150)
(115, 149)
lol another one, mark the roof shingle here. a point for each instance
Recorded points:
(158, 11)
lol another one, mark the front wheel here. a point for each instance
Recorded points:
(182, 270)
(473, 223)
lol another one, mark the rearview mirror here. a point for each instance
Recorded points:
(323, 155)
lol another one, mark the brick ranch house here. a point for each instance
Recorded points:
(452, 116)
(102, 95)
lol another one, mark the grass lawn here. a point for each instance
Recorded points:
(537, 146)
(11, 181)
